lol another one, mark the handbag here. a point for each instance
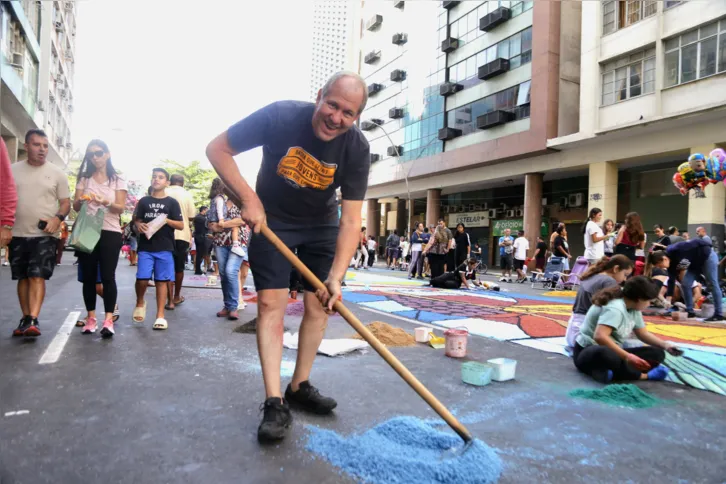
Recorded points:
(87, 229)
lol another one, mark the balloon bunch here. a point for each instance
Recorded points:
(699, 171)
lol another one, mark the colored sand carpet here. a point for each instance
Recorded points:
(625, 395)
(406, 450)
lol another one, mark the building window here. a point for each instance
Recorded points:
(517, 48)
(466, 28)
(696, 54)
(515, 99)
(618, 14)
(672, 3)
(628, 77)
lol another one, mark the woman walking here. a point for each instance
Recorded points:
(100, 186)
(463, 244)
(437, 249)
(594, 238)
(631, 236)
(416, 251)
(229, 261)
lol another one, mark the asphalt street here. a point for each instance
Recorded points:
(182, 406)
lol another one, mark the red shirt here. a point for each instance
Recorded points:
(8, 193)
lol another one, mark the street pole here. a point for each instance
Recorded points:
(409, 209)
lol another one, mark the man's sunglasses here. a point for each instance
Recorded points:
(96, 154)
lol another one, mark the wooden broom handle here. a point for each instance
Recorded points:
(417, 386)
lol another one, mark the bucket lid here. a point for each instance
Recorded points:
(456, 332)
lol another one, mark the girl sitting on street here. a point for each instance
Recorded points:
(605, 273)
(615, 314)
(657, 271)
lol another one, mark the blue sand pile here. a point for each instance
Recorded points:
(406, 450)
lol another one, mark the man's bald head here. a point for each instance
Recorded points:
(339, 105)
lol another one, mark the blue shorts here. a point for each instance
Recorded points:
(80, 273)
(160, 264)
(133, 243)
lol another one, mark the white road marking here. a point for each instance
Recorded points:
(19, 412)
(402, 318)
(55, 348)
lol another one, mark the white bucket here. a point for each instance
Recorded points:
(421, 335)
(504, 368)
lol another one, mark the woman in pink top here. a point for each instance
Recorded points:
(98, 180)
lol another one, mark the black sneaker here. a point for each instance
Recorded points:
(275, 421)
(33, 329)
(716, 318)
(692, 315)
(309, 398)
(24, 324)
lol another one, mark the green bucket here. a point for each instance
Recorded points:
(475, 373)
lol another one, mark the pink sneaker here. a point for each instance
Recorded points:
(90, 326)
(107, 330)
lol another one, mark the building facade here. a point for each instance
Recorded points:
(37, 45)
(334, 40)
(542, 110)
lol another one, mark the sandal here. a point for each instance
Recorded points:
(139, 314)
(81, 323)
(180, 301)
(160, 324)
(116, 314)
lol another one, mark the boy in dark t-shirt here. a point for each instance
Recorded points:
(155, 254)
(308, 152)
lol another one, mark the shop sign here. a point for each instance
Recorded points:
(515, 225)
(471, 219)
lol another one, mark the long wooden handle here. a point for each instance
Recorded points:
(417, 386)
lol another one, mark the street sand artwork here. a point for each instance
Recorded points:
(537, 322)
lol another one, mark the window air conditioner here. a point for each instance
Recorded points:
(371, 57)
(449, 5)
(374, 88)
(374, 22)
(18, 60)
(399, 39)
(394, 150)
(395, 113)
(398, 4)
(492, 213)
(452, 208)
(449, 45)
(367, 125)
(398, 75)
(495, 18)
(493, 68)
(510, 213)
(41, 106)
(449, 88)
(520, 212)
(58, 26)
(446, 134)
(375, 157)
(495, 118)
(69, 146)
(575, 200)
(462, 208)
(563, 202)
(473, 207)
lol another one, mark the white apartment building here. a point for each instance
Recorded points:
(619, 94)
(37, 55)
(334, 40)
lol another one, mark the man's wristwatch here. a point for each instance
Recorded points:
(60, 217)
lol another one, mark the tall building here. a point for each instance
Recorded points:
(37, 42)
(522, 115)
(334, 41)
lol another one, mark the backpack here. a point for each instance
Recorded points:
(212, 212)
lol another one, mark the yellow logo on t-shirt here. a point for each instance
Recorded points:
(303, 170)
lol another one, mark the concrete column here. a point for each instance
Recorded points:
(12, 144)
(385, 209)
(532, 208)
(433, 206)
(401, 216)
(603, 192)
(373, 217)
(708, 212)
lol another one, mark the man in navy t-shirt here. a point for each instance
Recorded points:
(309, 151)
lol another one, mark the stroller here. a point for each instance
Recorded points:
(569, 281)
(551, 275)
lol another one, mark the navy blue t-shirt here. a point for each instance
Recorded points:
(300, 173)
(147, 210)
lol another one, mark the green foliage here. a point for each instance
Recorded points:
(197, 180)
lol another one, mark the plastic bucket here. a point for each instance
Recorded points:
(456, 342)
(503, 368)
(475, 373)
(421, 335)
